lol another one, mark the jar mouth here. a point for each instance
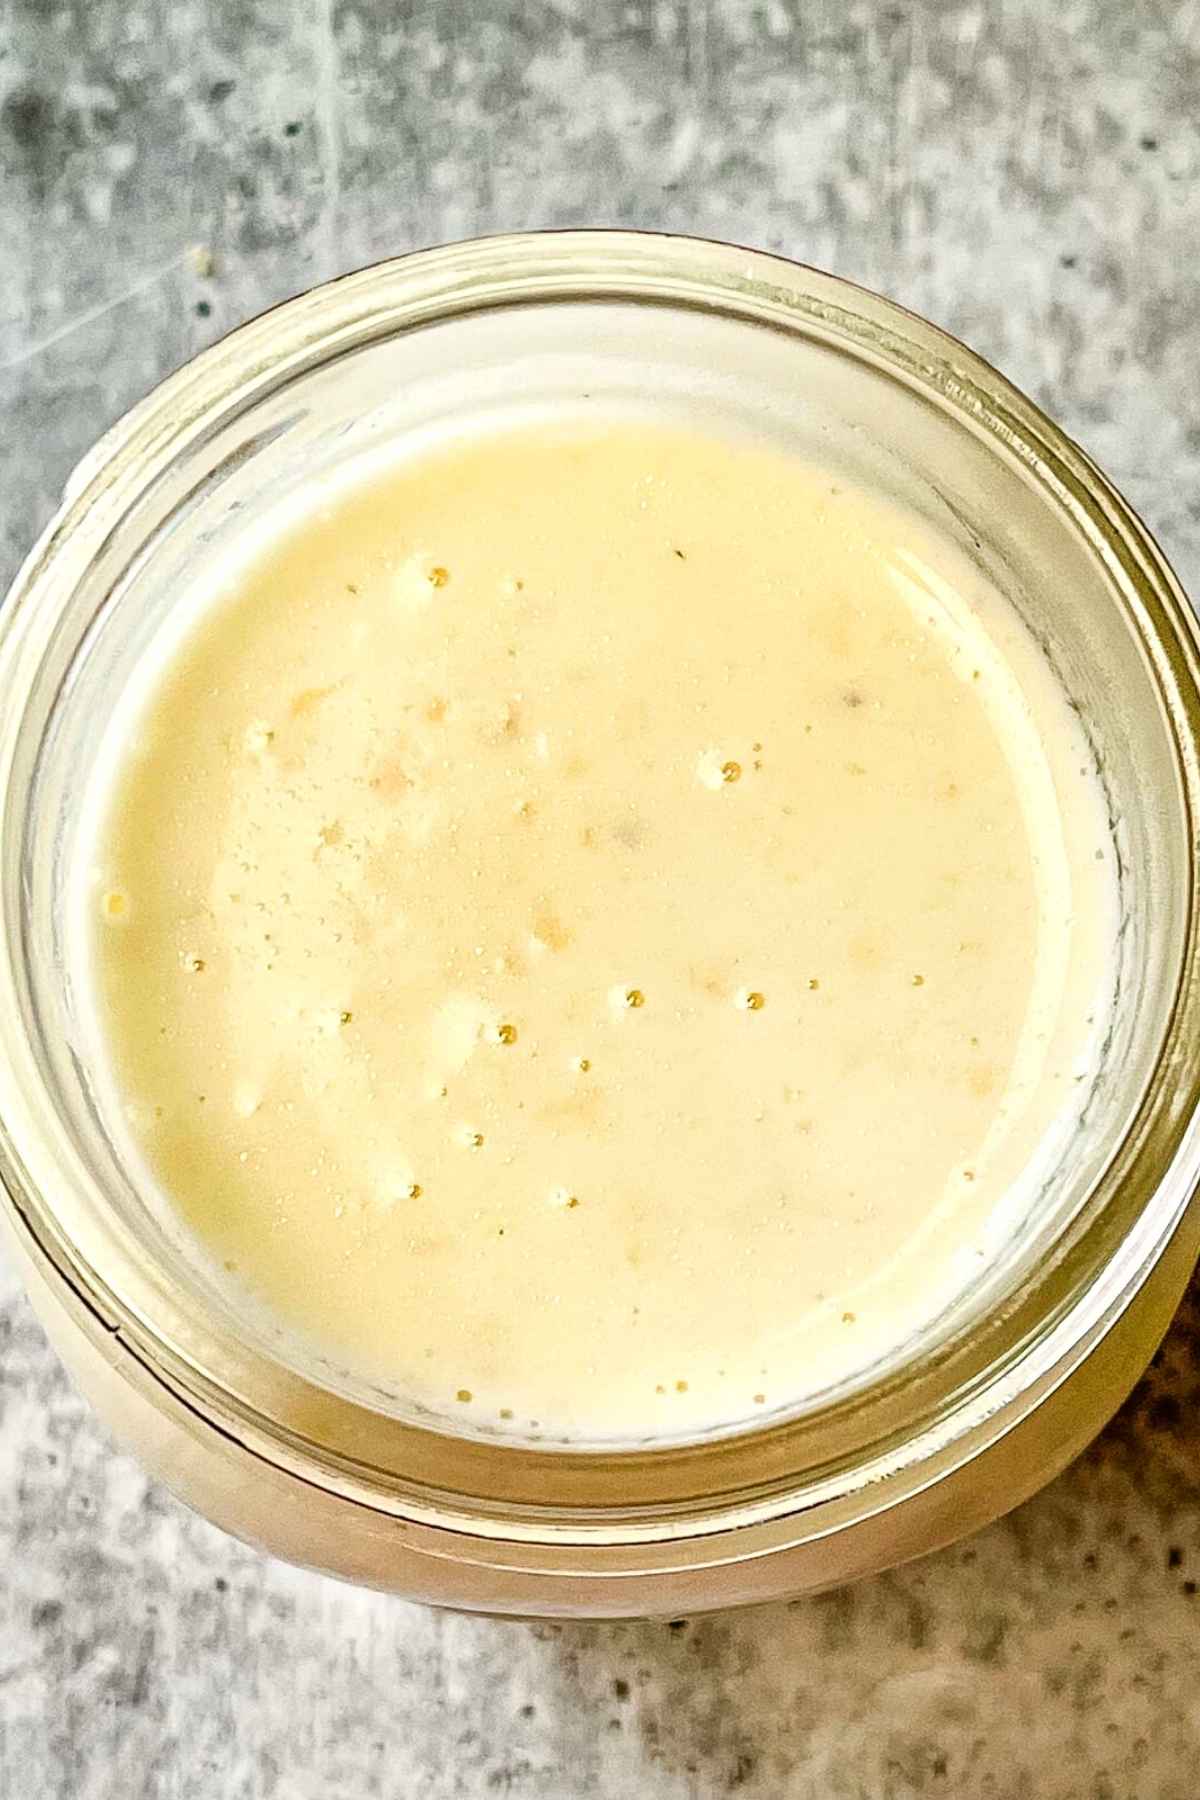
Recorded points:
(157, 469)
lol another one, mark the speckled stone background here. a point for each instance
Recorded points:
(1026, 173)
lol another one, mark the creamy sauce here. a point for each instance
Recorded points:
(585, 928)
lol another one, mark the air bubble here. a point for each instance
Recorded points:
(715, 770)
(258, 737)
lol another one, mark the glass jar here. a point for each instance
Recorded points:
(1006, 1386)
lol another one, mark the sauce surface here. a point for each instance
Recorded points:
(582, 927)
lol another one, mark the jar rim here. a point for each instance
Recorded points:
(912, 1414)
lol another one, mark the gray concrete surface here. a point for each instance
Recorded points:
(1027, 174)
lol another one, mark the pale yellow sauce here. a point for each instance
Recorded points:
(585, 929)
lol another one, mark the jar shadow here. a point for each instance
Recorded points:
(965, 1671)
